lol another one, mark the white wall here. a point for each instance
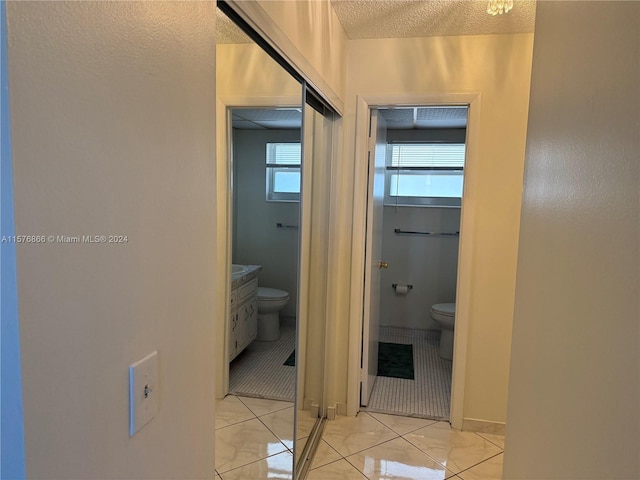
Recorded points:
(428, 263)
(312, 39)
(574, 393)
(245, 72)
(113, 113)
(498, 68)
(257, 240)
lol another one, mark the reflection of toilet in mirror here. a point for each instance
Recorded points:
(444, 314)
(270, 302)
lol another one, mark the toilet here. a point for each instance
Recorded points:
(444, 314)
(270, 302)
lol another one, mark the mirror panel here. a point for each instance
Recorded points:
(269, 234)
(258, 103)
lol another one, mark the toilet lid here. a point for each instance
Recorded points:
(266, 293)
(444, 308)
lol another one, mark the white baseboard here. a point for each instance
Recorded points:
(331, 413)
(337, 409)
(483, 426)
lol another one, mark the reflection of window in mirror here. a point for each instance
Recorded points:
(283, 172)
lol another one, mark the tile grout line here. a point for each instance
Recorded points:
(427, 454)
(479, 463)
(274, 433)
(403, 416)
(492, 442)
(336, 461)
(255, 461)
(236, 423)
(240, 397)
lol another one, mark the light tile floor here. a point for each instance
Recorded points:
(254, 442)
(245, 445)
(254, 438)
(379, 446)
(428, 394)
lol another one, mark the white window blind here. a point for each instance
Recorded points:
(427, 155)
(427, 174)
(283, 154)
(283, 172)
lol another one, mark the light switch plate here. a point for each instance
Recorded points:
(143, 392)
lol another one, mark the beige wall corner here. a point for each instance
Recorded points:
(574, 391)
(113, 108)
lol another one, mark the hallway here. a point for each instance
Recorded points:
(254, 441)
(379, 446)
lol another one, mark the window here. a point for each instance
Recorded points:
(283, 172)
(428, 174)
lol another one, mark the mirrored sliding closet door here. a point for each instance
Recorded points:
(274, 155)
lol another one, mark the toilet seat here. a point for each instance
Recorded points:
(445, 309)
(266, 294)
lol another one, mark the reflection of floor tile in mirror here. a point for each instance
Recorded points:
(281, 424)
(259, 371)
(275, 467)
(340, 470)
(231, 410)
(253, 438)
(427, 396)
(242, 443)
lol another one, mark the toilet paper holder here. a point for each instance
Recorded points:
(394, 285)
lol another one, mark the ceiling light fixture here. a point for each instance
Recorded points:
(495, 7)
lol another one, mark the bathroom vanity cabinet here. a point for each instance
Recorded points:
(243, 322)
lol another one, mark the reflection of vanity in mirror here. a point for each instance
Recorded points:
(273, 178)
(243, 302)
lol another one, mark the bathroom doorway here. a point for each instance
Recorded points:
(413, 215)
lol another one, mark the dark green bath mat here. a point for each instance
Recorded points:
(395, 360)
(291, 361)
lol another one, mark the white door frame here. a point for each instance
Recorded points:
(465, 250)
(224, 219)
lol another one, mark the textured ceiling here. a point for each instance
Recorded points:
(411, 18)
(429, 18)
(227, 31)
